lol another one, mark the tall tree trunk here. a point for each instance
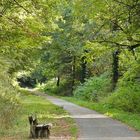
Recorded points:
(115, 70)
(84, 68)
(58, 81)
(73, 72)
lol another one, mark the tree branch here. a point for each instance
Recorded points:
(132, 47)
(21, 26)
(120, 2)
(22, 6)
(3, 11)
(129, 47)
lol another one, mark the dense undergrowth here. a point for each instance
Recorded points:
(94, 89)
(126, 97)
(9, 101)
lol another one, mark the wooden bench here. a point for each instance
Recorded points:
(39, 130)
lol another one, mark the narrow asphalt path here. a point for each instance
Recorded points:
(95, 126)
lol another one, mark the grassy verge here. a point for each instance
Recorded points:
(131, 119)
(63, 125)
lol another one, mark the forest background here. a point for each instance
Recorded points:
(88, 50)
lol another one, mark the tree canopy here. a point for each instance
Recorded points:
(70, 41)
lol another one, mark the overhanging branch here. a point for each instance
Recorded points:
(129, 47)
(22, 6)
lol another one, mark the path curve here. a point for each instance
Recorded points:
(95, 126)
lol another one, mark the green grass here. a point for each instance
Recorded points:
(46, 112)
(131, 119)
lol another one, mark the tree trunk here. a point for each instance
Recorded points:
(58, 81)
(84, 68)
(73, 72)
(115, 68)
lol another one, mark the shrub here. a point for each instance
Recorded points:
(125, 98)
(94, 88)
(49, 86)
(127, 95)
(64, 89)
(9, 103)
(9, 106)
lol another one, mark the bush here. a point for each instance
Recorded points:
(49, 86)
(127, 95)
(64, 89)
(94, 88)
(9, 106)
(126, 98)
(9, 103)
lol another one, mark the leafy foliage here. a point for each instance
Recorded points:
(21, 35)
(72, 41)
(93, 89)
(9, 101)
(127, 96)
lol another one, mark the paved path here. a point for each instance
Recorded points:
(95, 126)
